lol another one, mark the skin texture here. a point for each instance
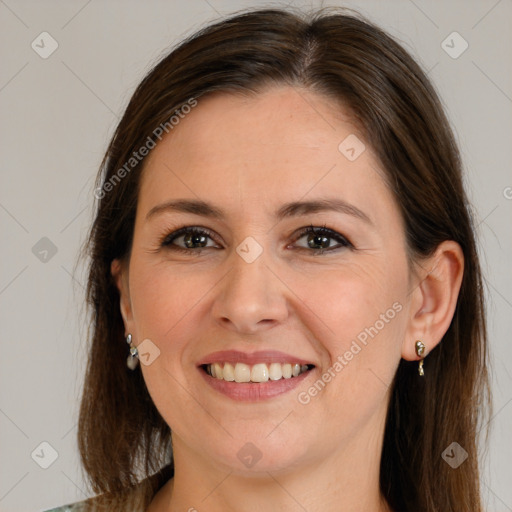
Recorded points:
(249, 155)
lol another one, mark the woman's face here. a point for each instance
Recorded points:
(253, 291)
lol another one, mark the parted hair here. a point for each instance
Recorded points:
(124, 443)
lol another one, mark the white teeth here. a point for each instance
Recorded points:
(275, 372)
(218, 370)
(259, 372)
(242, 372)
(228, 372)
(287, 370)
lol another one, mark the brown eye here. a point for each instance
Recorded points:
(188, 239)
(319, 239)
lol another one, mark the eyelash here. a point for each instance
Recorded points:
(323, 231)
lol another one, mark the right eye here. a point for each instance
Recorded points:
(193, 238)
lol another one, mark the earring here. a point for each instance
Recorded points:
(133, 358)
(420, 350)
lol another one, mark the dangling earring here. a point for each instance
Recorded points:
(133, 358)
(420, 350)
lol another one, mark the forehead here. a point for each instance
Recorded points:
(263, 149)
(275, 122)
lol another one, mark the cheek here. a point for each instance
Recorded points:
(166, 304)
(163, 300)
(363, 352)
(353, 298)
(360, 320)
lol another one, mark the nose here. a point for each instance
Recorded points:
(251, 297)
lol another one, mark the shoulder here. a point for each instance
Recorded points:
(87, 505)
(94, 505)
(101, 504)
(97, 504)
(133, 500)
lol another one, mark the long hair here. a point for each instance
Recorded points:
(122, 437)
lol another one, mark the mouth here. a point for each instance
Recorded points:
(253, 377)
(256, 373)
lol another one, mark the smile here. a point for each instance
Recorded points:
(257, 373)
(254, 376)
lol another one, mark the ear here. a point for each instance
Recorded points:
(434, 299)
(119, 272)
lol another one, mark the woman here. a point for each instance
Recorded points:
(284, 279)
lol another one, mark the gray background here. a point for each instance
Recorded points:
(57, 117)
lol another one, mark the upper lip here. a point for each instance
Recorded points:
(262, 356)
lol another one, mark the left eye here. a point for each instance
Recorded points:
(321, 236)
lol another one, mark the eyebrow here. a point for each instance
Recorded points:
(293, 209)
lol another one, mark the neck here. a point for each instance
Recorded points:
(347, 481)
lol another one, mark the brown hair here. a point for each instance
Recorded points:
(121, 435)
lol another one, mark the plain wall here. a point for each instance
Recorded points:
(57, 115)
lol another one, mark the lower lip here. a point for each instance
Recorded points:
(254, 391)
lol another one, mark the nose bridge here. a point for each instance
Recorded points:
(251, 296)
